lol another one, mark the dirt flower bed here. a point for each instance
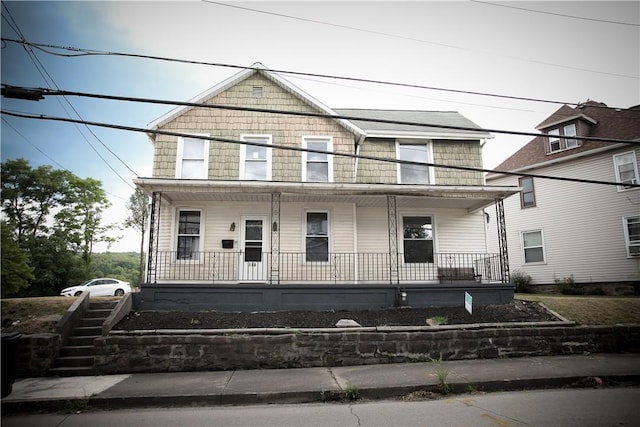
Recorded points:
(517, 311)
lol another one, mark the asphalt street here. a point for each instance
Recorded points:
(555, 407)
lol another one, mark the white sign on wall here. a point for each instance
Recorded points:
(468, 302)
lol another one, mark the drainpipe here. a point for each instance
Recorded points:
(358, 143)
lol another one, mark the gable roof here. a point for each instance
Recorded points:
(257, 67)
(609, 123)
(434, 118)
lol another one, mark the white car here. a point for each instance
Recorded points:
(102, 287)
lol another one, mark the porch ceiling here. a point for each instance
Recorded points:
(470, 198)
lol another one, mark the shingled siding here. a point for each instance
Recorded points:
(457, 153)
(372, 171)
(224, 158)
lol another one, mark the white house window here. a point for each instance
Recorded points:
(256, 91)
(533, 246)
(192, 158)
(317, 167)
(626, 168)
(188, 244)
(554, 140)
(415, 152)
(570, 130)
(632, 235)
(417, 239)
(317, 236)
(255, 161)
(527, 195)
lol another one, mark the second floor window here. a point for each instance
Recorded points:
(527, 195)
(414, 174)
(626, 168)
(255, 161)
(557, 143)
(317, 167)
(192, 159)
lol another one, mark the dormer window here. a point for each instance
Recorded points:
(557, 143)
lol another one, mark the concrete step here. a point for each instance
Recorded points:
(102, 313)
(76, 350)
(71, 371)
(92, 321)
(73, 362)
(82, 331)
(102, 305)
(82, 340)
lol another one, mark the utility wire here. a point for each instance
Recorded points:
(309, 150)
(555, 14)
(92, 52)
(415, 39)
(43, 71)
(6, 122)
(48, 92)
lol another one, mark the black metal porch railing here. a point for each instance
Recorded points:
(295, 267)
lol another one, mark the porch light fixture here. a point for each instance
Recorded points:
(232, 227)
(274, 226)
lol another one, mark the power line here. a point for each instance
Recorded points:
(555, 14)
(309, 150)
(92, 52)
(44, 92)
(43, 71)
(415, 39)
(6, 122)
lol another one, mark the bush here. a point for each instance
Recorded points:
(567, 286)
(522, 281)
(596, 291)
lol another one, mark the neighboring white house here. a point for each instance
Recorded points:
(241, 195)
(590, 232)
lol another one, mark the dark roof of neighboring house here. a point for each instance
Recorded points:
(444, 118)
(605, 122)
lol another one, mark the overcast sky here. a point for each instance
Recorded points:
(495, 48)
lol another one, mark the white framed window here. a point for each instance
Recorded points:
(189, 232)
(554, 140)
(527, 195)
(415, 151)
(626, 168)
(570, 130)
(317, 167)
(632, 235)
(317, 236)
(417, 239)
(533, 246)
(192, 160)
(255, 160)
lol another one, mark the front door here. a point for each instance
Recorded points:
(253, 247)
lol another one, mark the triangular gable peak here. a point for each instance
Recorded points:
(565, 114)
(256, 68)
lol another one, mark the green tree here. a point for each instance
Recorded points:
(16, 268)
(56, 217)
(138, 206)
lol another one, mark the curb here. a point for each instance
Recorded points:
(431, 391)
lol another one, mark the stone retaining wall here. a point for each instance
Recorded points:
(211, 350)
(35, 354)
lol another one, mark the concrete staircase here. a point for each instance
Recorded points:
(76, 355)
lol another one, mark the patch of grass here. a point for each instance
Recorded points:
(591, 310)
(441, 373)
(352, 392)
(33, 315)
(441, 320)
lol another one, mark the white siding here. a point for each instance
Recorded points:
(581, 223)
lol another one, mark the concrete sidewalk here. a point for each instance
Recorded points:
(316, 384)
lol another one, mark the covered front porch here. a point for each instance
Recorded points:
(376, 246)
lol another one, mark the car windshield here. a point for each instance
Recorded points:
(85, 283)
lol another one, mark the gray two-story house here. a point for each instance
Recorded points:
(265, 198)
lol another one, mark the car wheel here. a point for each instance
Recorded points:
(77, 294)
(119, 292)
